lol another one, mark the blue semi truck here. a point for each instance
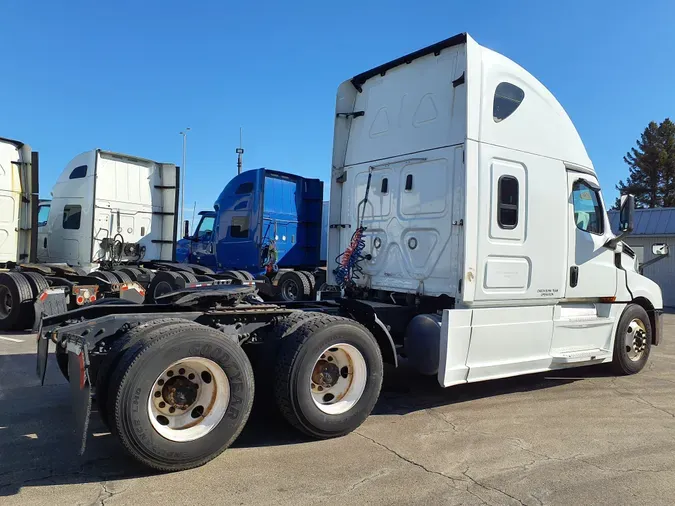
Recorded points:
(268, 226)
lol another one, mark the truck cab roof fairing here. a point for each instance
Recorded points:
(540, 126)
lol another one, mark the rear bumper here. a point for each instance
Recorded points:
(658, 326)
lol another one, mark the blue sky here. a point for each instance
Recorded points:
(128, 76)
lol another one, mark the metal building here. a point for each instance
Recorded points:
(653, 226)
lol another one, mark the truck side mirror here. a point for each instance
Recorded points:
(186, 229)
(626, 214)
(660, 249)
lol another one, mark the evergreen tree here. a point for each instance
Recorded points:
(652, 167)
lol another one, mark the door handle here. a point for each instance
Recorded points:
(44, 243)
(574, 276)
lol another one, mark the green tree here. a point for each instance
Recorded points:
(651, 167)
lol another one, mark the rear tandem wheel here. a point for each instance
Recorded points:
(16, 302)
(179, 398)
(328, 376)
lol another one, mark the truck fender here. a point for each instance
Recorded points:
(366, 316)
(385, 341)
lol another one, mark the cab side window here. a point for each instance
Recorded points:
(43, 215)
(71, 217)
(206, 227)
(588, 213)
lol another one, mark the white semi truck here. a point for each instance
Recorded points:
(111, 216)
(467, 233)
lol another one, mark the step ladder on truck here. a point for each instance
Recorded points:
(469, 235)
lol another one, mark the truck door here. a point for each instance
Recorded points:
(203, 251)
(63, 244)
(43, 218)
(591, 271)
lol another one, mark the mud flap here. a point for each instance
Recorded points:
(80, 388)
(51, 301)
(42, 353)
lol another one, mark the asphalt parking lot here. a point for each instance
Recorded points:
(580, 437)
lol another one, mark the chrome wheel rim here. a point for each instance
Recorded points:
(338, 379)
(189, 399)
(290, 290)
(635, 340)
(5, 302)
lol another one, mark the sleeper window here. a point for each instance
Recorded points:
(507, 99)
(71, 217)
(588, 213)
(78, 172)
(239, 227)
(245, 188)
(507, 211)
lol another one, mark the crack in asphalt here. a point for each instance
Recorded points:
(662, 410)
(519, 443)
(49, 473)
(410, 461)
(487, 487)
(466, 483)
(442, 418)
(103, 495)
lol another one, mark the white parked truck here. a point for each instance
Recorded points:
(467, 233)
(18, 200)
(110, 216)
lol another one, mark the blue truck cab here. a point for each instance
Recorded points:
(264, 222)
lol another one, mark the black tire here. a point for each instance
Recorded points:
(247, 276)
(122, 276)
(310, 278)
(149, 331)
(135, 375)
(16, 302)
(296, 361)
(105, 276)
(132, 272)
(37, 282)
(622, 364)
(293, 287)
(236, 275)
(188, 277)
(162, 283)
(264, 356)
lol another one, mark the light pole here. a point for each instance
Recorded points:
(182, 183)
(240, 153)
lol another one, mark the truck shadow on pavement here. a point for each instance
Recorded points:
(37, 447)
